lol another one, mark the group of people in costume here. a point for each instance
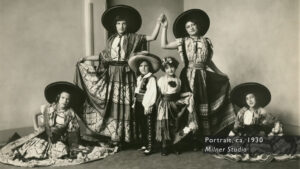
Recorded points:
(121, 101)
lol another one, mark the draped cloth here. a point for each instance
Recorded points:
(110, 91)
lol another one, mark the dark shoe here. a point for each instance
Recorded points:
(196, 148)
(177, 152)
(164, 152)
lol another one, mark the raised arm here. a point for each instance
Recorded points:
(164, 41)
(155, 31)
(89, 58)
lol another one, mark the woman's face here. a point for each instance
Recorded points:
(251, 100)
(191, 28)
(64, 100)
(144, 68)
(121, 27)
(170, 70)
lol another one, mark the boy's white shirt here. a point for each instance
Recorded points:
(151, 91)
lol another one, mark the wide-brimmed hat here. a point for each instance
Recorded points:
(132, 16)
(261, 92)
(197, 15)
(138, 57)
(52, 90)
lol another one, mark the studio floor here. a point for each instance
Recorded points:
(132, 159)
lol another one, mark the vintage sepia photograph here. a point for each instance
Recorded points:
(137, 84)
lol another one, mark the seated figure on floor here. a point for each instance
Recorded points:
(57, 135)
(252, 119)
(254, 122)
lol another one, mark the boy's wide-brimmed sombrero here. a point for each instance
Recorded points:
(132, 16)
(197, 15)
(151, 58)
(53, 89)
(261, 92)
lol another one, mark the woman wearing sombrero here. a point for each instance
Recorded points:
(110, 88)
(253, 121)
(56, 138)
(213, 110)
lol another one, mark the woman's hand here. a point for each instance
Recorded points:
(231, 134)
(38, 129)
(161, 18)
(82, 59)
(164, 22)
(149, 111)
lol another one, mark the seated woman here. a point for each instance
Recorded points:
(56, 137)
(253, 121)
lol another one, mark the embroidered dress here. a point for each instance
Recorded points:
(37, 149)
(145, 95)
(211, 90)
(255, 123)
(110, 90)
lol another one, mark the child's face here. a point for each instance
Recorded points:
(64, 100)
(251, 100)
(144, 68)
(170, 70)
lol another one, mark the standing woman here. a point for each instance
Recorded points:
(210, 89)
(110, 88)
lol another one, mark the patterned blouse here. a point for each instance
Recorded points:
(198, 50)
(60, 119)
(245, 117)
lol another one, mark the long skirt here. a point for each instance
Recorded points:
(108, 108)
(35, 150)
(212, 106)
(172, 119)
(263, 149)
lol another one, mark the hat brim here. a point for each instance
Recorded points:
(154, 60)
(192, 14)
(52, 90)
(262, 94)
(132, 16)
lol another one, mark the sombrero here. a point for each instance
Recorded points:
(151, 58)
(193, 14)
(261, 92)
(132, 16)
(53, 89)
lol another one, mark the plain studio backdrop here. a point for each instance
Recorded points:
(41, 41)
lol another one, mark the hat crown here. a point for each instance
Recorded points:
(261, 92)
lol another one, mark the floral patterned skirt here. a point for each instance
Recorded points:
(35, 150)
(107, 110)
